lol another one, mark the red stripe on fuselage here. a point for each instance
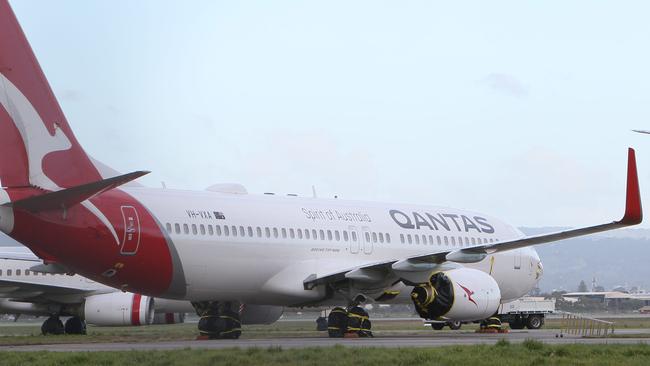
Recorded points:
(77, 239)
(135, 309)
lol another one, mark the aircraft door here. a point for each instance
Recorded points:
(131, 238)
(367, 240)
(354, 240)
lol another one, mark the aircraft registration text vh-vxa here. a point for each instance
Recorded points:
(223, 248)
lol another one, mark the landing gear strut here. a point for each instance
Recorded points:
(52, 325)
(218, 319)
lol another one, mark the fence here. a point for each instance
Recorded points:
(584, 326)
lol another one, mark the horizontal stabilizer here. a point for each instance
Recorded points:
(72, 196)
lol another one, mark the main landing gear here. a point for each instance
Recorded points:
(54, 326)
(219, 320)
(353, 322)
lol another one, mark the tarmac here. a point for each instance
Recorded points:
(435, 340)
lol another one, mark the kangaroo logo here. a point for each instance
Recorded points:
(39, 142)
(470, 293)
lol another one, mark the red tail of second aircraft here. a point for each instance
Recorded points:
(37, 146)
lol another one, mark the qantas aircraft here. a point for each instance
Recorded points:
(29, 287)
(223, 247)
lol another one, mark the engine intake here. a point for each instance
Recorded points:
(460, 294)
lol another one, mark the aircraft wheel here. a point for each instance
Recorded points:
(337, 323)
(218, 320)
(75, 325)
(534, 322)
(321, 324)
(437, 326)
(52, 325)
(454, 325)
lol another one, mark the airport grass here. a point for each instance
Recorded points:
(502, 354)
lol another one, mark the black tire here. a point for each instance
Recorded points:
(52, 325)
(455, 325)
(75, 325)
(534, 322)
(337, 323)
(437, 326)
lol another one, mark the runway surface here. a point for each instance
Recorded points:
(435, 340)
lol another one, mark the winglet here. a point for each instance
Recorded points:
(633, 211)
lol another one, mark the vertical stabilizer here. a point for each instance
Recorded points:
(37, 146)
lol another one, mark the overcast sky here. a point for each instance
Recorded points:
(519, 109)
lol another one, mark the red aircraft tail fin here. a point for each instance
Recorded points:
(37, 146)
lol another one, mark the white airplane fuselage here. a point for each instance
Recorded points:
(268, 263)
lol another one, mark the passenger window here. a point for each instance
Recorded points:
(226, 230)
(453, 241)
(329, 235)
(26, 272)
(374, 237)
(284, 233)
(177, 228)
(401, 238)
(267, 231)
(322, 235)
(354, 236)
(186, 229)
(233, 230)
(259, 231)
(275, 232)
(367, 237)
(467, 241)
(194, 230)
(430, 240)
(250, 231)
(337, 236)
(473, 241)
(417, 239)
(388, 238)
(446, 241)
(218, 227)
(210, 230)
(410, 239)
(346, 237)
(8, 272)
(438, 240)
(242, 231)
(17, 272)
(169, 227)
(0, 272)
(202, 228)
(314, 234)
(424, 239)
(307, 234)
(292, 234)
(299, 233)
(381, 237)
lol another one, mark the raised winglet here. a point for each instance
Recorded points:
(633, 212)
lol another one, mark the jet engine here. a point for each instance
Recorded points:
(169, 318)
(462, 294)
(260, 314)
(118, 309)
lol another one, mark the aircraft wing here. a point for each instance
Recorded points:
(18, 253)
(427, 262)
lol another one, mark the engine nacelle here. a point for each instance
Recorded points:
(169, 318)
(459, 294)
(260, 314)
(118, 309)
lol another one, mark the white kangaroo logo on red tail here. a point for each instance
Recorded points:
(39, 142)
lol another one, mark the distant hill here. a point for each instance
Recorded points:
(618, 257)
